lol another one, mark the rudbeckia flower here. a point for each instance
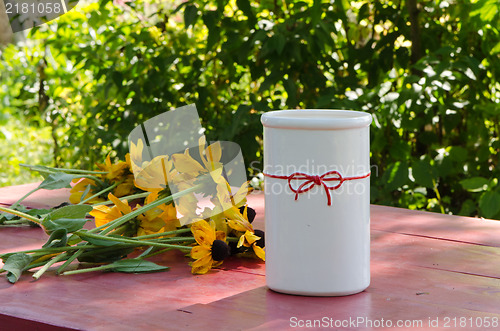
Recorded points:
(153, 177)
(229, 205)
(156, 220)
(125, 188)
(80, 188)
(105, 214)
(212, 248)
(210, 157)
(250, 239)
(116, 172)
(134, 158)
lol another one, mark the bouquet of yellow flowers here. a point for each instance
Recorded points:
(134, 207)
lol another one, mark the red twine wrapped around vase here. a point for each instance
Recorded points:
(312, 180)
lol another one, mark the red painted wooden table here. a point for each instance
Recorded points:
(428, 271)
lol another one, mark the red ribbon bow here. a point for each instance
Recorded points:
(312, 180)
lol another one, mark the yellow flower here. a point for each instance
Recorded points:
(105, 214)
(156, 220)
(78, 190)
(116, 172)
(125, 188)
(250, 239)
(153, 177)
(212, 248)
(185, 164)
(229, 205)
(134, 159)
(210, 156)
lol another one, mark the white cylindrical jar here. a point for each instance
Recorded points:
(317, 201)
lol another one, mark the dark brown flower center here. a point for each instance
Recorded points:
(220, 250)
(261, 242)
(250, 213)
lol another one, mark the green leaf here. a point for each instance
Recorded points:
(38, 212)
(84, 194)
(136, 266)
(395, 176)
(487, 11)
(15, 264)
(246, 8)
(210, 18)
(100, 242)
(190, 15)
(58, 238)
(57, 181)
(39, 168)
(423, 173)
(71, 211)
(106, 254)
(475, 184)
(489, 204)
(495, 49)
(278, 42)
(69, 224)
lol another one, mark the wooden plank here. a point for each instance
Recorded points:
(426, 224)
(407, 293)
(424, 266)
(435, 253)
(120, 296)
(39, 199)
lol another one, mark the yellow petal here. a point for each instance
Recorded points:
(241, 241)
(260, 252)
(123, 207)
(124, 189)
(213, 152)
(108, 161)
(200, 225)
(216, 264)
(99, 211)
(204, 238)
(239, 199)
(152, 196)
(201, 145)
(251, 237)
(199, 252)
(202, 266)
(220, 235)
(216, 172)
(186, 164)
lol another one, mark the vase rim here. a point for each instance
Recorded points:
(316, 119)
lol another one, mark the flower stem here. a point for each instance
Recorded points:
(68, 261)
(130, 241)
(16, 222)
(75, 171)
(161, 251)
(81, 271)
(107, 189)
(128, 197)
(20, 214)
(44, 251)
(108, 227)
(161, 234)
(55, 259)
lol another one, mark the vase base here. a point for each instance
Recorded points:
(317, 293)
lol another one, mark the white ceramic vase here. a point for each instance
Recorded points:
(317, 195)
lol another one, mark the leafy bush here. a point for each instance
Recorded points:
(426, 70)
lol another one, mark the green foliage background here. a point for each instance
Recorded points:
(427, 71)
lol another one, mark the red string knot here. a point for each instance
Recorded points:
(307, 182)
